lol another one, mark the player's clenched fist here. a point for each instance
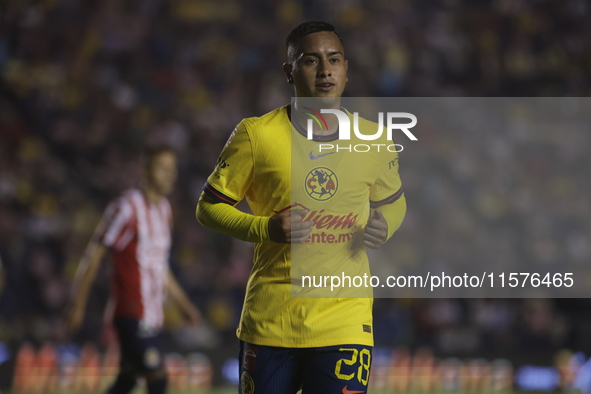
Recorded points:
(289, 226)
(376, 230)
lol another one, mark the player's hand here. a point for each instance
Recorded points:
(74, 317)
(192, 314)
(289, 226)
(376, 230)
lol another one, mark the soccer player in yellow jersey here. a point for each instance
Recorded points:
(321, 345)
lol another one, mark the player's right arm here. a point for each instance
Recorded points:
(83, 281)
(283, 227)
(229, 183)
(115, 231)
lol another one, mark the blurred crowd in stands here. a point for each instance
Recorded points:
(86, 85)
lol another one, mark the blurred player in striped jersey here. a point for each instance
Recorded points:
(136, 229)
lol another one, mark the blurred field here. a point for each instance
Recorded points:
(235, 391)
(142, 390)
(221, 391)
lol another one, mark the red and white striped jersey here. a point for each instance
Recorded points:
(139, 235)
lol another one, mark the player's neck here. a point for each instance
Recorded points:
(301, 114)
(152, 195)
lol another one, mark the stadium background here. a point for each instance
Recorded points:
(85, 85)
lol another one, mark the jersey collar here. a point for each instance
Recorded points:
(302, 130)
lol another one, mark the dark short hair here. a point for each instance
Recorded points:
(301, 31)
(151, 152)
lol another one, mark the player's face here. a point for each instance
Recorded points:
(162, 173)
(320, 68)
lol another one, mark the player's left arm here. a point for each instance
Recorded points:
(180, 298)
(387, 202)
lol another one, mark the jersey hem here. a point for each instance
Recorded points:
(306, 344)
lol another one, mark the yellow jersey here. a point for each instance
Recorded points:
(272, 164)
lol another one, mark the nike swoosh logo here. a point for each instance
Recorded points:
(314, 157)
(346, 391)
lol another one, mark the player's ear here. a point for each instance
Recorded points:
(346, 68)
(287, 70)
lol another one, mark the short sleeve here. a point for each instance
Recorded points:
(116, 229)
(387, 188)
(234, 169)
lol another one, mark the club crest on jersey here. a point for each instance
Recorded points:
(321, 183)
